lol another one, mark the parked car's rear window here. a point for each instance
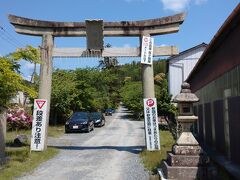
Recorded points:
(80, 115)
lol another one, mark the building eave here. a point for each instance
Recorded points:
(218, 38)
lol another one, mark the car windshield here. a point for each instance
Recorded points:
(108, 110)
(96, 115)
(79, 116)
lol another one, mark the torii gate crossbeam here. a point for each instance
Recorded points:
(152, 27)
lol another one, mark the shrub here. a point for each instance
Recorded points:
(17, 118)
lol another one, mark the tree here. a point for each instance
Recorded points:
(82, 90)
(131, 92)
(165, 107)
(132, 97)
(29, 54)
(64, 95)
(10, 79)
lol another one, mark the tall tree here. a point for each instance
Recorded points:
(165, 107)
(11, 81)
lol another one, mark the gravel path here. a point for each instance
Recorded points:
(110, 152)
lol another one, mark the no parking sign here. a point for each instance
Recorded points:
(151, 124)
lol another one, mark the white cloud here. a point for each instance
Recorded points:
(175, 5)
(179, 5)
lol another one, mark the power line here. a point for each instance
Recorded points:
(9, 38)
(9, 41)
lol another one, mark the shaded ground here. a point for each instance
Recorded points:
(110, 152)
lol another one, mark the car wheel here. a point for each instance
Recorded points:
(88, 129)
(66, 131)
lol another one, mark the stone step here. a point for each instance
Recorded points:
(187, 160)
(184, 173)
(187, 150)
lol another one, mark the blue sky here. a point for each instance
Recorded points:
(204, 18)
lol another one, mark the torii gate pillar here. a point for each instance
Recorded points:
(46, 75)
(147, 77)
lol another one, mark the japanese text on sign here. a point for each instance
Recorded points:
(151, 124)
(38, 125)
(147, 50)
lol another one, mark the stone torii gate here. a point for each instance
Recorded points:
(95, 31)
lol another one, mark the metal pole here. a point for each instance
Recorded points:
(46, 75)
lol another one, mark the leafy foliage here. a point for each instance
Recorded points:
(29, 53)
(83, 90)
(165, 107)
(131, 94)
(11, 82)
(10, 79)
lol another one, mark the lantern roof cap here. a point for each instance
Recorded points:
(185, 95)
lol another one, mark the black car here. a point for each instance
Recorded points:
(108, 112)
(79, 121)
(99, 119)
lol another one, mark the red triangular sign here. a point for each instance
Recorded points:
(40, 103)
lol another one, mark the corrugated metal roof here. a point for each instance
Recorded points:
(188, 50)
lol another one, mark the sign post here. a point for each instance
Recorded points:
(151, 124)
(150, 103)
(38, 137)
(147, 50)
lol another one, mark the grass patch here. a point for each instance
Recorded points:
(55, 131)
(11, 135)
(152, 159)
(22, 161)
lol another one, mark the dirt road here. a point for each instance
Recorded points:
(110, 152)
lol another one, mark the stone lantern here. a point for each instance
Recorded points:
(187, 159)
(185, 116)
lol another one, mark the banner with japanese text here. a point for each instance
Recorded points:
(147, 50)
(39, 125)
(151, 124)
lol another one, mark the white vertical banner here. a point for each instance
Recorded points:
(147, 50)
(39, 125)
(150, 51)
(151, 124)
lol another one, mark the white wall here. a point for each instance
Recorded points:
(180, 67)
(19, 99)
